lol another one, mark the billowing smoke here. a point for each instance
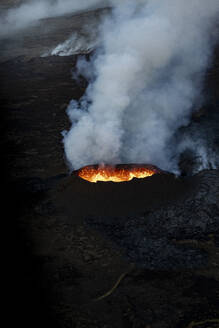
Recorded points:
(145, 81)
(30, 12)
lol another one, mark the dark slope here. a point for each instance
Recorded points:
(83, 198)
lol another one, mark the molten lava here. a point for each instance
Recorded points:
(117, 173)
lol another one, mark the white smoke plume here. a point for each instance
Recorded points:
(74, 45)
(30, 12)
(80, 42)
(148, 79)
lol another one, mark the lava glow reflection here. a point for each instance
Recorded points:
(117, 173)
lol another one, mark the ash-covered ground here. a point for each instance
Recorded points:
(138, 254)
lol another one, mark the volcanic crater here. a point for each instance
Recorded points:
(143, 253)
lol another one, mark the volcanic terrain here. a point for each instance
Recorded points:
(138, 254)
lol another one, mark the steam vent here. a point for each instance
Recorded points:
(116, 173)
(122, 245)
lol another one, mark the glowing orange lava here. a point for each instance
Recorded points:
(117, 173)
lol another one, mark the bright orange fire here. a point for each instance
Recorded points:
(117, 173)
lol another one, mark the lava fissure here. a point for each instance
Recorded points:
(116, 173)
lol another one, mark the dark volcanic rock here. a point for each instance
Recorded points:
(153, 239)
(81, 198)
(58, 265)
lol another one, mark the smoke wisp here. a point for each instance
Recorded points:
(146, 79)
(28, 13)
(82, 42)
